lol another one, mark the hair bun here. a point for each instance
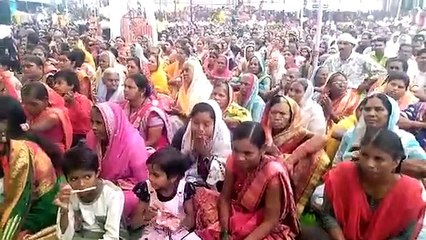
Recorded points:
(81, 143)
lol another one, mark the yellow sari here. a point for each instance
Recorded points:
(159, 78)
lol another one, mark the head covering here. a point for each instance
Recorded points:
(253, 92)
(138, 52)
(220, 145)
(346, 37)
(198, 90)
(293, 124)
(353, 137)
(118, 95)
(226, 74)
(10, 89)
(126, 153)
(262, 67)
(280, 70)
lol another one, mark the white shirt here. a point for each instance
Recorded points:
(109, 204)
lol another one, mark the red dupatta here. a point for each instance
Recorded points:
(401, 206)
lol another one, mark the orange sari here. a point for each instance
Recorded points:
(247, 207)
(85, 83)
(302, 151)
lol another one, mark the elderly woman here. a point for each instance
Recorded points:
(111, 88)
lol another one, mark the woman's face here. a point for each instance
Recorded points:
(39, 53)
(246, 154)
(98, 124)
(111, 81)
(61, 86)
(338, 84)
(288, 56)
(279, 116)
(187, 74)
(132, 68)
(64, 63)
(254, 66)
(375, 164)
(220, 95)
(153, 64)
(131, 91)
(202, 126)
(273, 63)
(296, 92)
(321, 77)
(375, 114)
(395, 89)
(221, 63)
(245, 85)
(304, 52)
(119, 43)
(104, 61)
(249, 52)
(200, 45)
(33, 106)
(32, 71)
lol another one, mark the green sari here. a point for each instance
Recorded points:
(30, 187)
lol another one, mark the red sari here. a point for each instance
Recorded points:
(79, 114)
(247, 207)
(401, 206)
(55, 100)
(60, 134)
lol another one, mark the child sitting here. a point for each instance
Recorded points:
(165, 205)
(90, 208)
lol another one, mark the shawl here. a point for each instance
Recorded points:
(117, 96)
(98, 83)
(199, 89)
(126, 153)
(352, 138)
(264, 78)
(220, 145)
(313, 117)
(226, 74)
(253, 102)
(159, 78)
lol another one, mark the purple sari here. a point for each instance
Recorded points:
(123, 162)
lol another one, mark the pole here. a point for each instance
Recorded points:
(190, 10)
(398, 11)
(318, 33)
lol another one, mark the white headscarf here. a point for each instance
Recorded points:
(220, 147)
(312, 114)
(118, 95)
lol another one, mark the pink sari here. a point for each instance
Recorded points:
(123, 162)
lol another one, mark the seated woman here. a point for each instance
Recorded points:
(111, 87)
(302, 150)
(115, 140)
(75, 61)
(195, 87)
(413, 120)
(362, 207)
(312, 114)
(380, 112)
(28, 179)
(221, 70)
(32, 68)
(67, 85)
(145, 113)
(318, 79)
(158, 75)
(337, 100)
(208, 139)
(46, 121)
(396, 86)
(257, 199)
(133, 65)
(233, 114)
(6, 86)
(248, 96)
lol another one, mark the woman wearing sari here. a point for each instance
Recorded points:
(27, 175)
(319, 79)
(233, 114)
(369, 198)
(158, 75)
(248, 206)
(33, 72)
(116, 141)
(46, 121)
(221, 70)
(6, 86)
(337, 100)
(106, 60)
(195, 87)
(145, 113)
(111, 87)
(208, 139)
(313, 118)
(256, 66)
(303, 150)
(248, 96)
(380, 112)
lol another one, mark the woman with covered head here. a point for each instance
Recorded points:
(111, 87)
(248, 96)
(256, 66)
(115, 140)
(382, 112)
(195, 87)
(208, 139)
(106, 60)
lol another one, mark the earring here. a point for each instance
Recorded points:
(3, 137)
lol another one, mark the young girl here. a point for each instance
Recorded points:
(90, 207)
(165, 200)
